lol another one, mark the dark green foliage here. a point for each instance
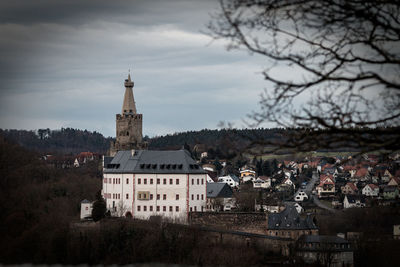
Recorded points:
(99, 209)
(66, 140)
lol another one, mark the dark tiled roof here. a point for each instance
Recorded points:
(153, 161)
(289, 219)
(216, 190)
(107, 160)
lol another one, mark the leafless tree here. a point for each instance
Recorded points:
(334, 70)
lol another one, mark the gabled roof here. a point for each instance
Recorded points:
(153, 161)
(219, 190)
(289, 219)
(352, 186)
(361, 172)
(373, 186)
(265, 178)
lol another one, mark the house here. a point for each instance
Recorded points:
(289, 223)
(370, 190)
(324, 250)
(212, 177)
(288, 181)
(231, 179)
(349, 189)
(361, 174)
(76, 163)
(390, 192)
(326, 186)
(300, 196)
(262, 182)
(353, 201)
(247, 171)
(394, 181)
(86, 209)
(249, 178)
(220, 197)
(143, 183)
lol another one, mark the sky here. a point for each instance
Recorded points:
(63, 64)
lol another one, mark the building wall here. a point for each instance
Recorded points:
(294, 234)
(86, 210)
(129, 129)
(139, 193)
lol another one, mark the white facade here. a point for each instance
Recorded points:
(86, 209)
(248, 178)
(300, 196)
(143, 195)
(260, 183)
(229, 180)
(370, 191)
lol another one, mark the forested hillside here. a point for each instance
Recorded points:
(68, 140)
(64, 141)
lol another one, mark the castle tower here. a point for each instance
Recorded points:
(128, 124)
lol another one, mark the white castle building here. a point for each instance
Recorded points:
(143, 183)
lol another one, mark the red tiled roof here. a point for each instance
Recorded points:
(361, 172)
(352, 186)
(373, 186)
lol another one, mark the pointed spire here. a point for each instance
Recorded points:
(129, 102)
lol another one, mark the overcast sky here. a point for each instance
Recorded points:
(63, 63)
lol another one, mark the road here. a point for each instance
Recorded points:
(310, 187)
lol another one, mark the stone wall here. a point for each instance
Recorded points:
(243, 221)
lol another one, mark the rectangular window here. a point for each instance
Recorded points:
(177, 196)
(151, 196)
(171, 181)
(113, 180)
(158, 208)
(164, 197)
(195, 208)
(164, 208)
(158, 196)
(192, 181)
(177, 208)
(127, 181)
(192, 197)
(143, 195)
(198, 181)
(198, 197)
(202, 197)
(202, 181)
(151, 208)
(145, 181)
(127, 196)
(177, 181)
(139, 181)
(190, 209)
(170, 208)
(144, 208)
(151, 181)
(158, 181)
(105, 180)
(164, 181)
(109, 180)
(138, 208)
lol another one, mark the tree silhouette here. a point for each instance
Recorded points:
(334, 68)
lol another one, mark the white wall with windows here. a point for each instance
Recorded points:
(144, 195)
